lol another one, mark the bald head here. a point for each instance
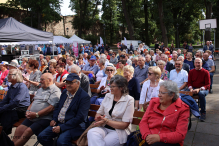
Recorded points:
(46, 80)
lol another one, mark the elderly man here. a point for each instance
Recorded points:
(174, 58)
(199, 54)
(70, 49)
(85, 84)
(208, 47)
(211, 69)
(39, 113)
(85, 58)
(70, 116)
(199, 83)
(179, 52)
(185, 66)
(148, 61)
(179, 75)
(70, 62)
(141, 71)
(15, 103)
(169, 66)
(91, 69)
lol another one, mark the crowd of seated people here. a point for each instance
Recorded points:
(54, 95)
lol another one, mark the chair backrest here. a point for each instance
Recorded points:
(186, 93)
(136, 117)
(94, 87)
(2, 92)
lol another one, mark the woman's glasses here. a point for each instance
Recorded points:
(110, 70)
(149, 73)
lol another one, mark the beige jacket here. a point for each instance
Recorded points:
(123, 111)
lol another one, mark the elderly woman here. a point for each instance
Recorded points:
(52, 69)
(101, 73)
(34, 79)
(110, 70)
(114, 59)
(135, 62)
(158, 57)
(166, 119)
(114, 116)
(81, 63)
(23, 64)
(120, 70)
(151, 87)
(3, 71)
(133, 84)
(165, 75)
(44, 66)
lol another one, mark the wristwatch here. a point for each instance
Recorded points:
(37, 115)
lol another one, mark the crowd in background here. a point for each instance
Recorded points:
(129, 79)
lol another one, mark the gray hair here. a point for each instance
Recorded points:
(103, 56)
(136, 58)
(199, 51)
(32, 58)
(45, 61)
(75, 68)
(17, 75)
(181, 57)
(102, 61)
(52, 61)
(161, 61)
(121, 82)
(172, 88)
(141, 57)
(110, 50)
(165, 56)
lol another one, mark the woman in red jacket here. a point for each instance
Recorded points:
(166, 119)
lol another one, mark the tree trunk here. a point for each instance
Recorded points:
(162, 25)
(208, 6)
(130, 28)
(39, 20)
(80, 23)
(64, 25)
(147, 40)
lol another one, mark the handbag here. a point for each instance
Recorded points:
(82, 141)
(145, 105)
(134, 139)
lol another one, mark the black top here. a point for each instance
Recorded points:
(110, 113)
(134, 88)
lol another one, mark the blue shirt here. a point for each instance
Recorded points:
(86, 49)
(82, 52)
(91, 49)
(190, 63)
(17, 96)
(59, 50)
(179, 78)
(93, 68)
(149, 63)
(141, 74)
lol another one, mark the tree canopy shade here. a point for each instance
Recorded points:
(13, 31)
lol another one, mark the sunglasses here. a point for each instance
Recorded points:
(150, 73)
(110, 70)
(177, 64)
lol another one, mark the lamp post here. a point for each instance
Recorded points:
(177, 25)
(104, 27)
(67, 30)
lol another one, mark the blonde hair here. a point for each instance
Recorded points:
(17, 75)
(156, 70)
(129, 68)
(190, 53)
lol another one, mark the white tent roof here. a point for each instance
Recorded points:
(56, 40)
(79, 40)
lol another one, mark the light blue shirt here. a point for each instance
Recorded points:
(180, 78)
(59, 50)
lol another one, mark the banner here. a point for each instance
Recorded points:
(75, 48)
(101, 41)
(125, 41)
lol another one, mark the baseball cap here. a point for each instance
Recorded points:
(71, 77)
(4, 63)
(92, 58)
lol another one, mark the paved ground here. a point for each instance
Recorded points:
(207, 133)
(202, 133)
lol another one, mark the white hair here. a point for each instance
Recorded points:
(141, 57)
(181, 57)
(75, 68)
(201, 52)
(52, 61)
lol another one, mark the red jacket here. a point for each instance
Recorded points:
(171, 125)
(3, 76)
(65, 72)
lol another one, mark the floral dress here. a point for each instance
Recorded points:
(165, 75)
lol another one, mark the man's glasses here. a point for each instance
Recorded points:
(110, 70)
(177, 64)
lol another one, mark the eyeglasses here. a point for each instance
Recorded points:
(110, 70)
(177, 64)
(70, 83)
(11, 74)
(113, 86)
(150, 73)
(163, 92)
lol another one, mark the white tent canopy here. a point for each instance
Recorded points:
(79, 40)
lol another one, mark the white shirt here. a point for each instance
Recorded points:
(179, 78)
(145, 88)
(99, 75)
(154, 58)
(172, 61)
